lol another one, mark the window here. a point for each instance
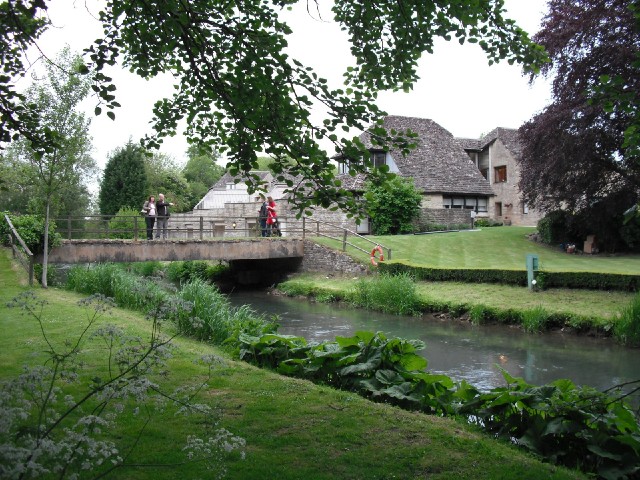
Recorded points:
(379, 159)
(485, 173)
(500, 174)
(231, 186)
(525, 208)
(343, 167)
(479, 204)
(499, 209)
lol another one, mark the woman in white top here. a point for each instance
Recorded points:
(150, 212)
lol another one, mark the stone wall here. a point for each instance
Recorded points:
(444, 216)
(318, 258)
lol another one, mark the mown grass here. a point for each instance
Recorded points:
(495, 247)
(293, 428)
(580, 309)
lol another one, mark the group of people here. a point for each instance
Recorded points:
(156, 213)
(269, 219)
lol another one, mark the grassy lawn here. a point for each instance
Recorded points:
(495, 247)
(293, 428)
(600, 306)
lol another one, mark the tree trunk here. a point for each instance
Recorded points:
(45, 253)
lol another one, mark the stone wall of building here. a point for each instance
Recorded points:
(507, 193)
(444, 216)
(318, 258)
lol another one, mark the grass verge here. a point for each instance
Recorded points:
(579, 309)
(497, 247)
(293, 429)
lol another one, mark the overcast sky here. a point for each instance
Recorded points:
(457, 88)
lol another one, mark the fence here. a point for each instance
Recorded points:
(20, 250)
(188, 226)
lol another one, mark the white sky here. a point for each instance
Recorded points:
(457, 88)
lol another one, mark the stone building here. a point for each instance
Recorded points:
(455, 175)
(496, 157)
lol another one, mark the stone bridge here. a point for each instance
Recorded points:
(95, 251)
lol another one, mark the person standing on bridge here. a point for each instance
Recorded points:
(149, 209)
(162, 209)
(272, 218)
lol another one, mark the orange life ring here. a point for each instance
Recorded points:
(377, 248)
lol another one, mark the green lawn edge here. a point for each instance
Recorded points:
(593, 311)
(293, 428)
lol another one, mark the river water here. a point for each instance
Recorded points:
(461, 350)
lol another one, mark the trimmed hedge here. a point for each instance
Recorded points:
(579, 280)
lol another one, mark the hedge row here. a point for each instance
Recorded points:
(583, 280)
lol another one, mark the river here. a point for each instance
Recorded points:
(461, 350)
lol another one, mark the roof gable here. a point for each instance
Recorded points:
(439, 163)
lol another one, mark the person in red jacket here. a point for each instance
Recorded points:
(272, 218)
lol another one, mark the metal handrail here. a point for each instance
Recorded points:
(344, 241)
(193, 226)
(14, 248)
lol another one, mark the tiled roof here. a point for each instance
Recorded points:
(508, 136)
(439, 163)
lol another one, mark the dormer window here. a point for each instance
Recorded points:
(231, 186)
(379, 159)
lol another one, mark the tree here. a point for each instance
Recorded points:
(201, 172)
(393, 206)
(164, 176)
(124, 182)
(239, 90)
(67, 162)
(579, 154)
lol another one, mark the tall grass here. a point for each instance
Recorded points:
(395, 294)
(203, 313)
(535, 319)
(627, 328)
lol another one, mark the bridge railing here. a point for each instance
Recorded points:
(187, 226)
(20, 250)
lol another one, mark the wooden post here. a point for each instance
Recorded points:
(31, 261)
(388, 254)
(318, 229)
(304, 220)
(135, 228)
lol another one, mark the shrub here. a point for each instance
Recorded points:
(127, 224)
(31, 229)
(146, 269)
(586, 280)
(487, 222)
(182, 272)
(627, 328)
(555, 228)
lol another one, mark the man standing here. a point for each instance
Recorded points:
(262, 216)
(162, 220)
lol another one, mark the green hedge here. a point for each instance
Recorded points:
(583, 280)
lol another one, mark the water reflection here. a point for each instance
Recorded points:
(461, 350)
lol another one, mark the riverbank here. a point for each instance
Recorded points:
(293, 428)
(585, 311)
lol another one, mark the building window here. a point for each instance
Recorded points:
(498, 209)
(479, 204)
(231, 186)
(343, 167)
(500, 174)
(525, 208)
(485, 173)
(379, 159)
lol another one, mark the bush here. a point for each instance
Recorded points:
(627, 328)
(31, 229)
(487, 222)
(127, 224)
(182, 272)
(586, 280)
(555, 228)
